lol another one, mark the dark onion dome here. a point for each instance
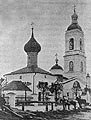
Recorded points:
(32, 45)
(74, 24)
(56, 66)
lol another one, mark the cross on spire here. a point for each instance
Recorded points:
(74, 8)
(32, 28)
(74, 16)
(32, 24)
(56, 55)
(56, 58)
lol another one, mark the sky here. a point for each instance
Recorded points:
(51, 19)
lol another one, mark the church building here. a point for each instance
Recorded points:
(31, 75)
(72, 77)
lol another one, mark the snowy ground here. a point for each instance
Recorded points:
(37, 107)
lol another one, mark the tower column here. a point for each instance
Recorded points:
(74, 58)
(32, 59)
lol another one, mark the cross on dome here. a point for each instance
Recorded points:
(74, 16)
(32, 24)
(56, 66)
(56, 58)
(74, 8)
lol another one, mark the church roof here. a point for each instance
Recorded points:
(16, 85)
(74, 26)
(26, 70)
(56, 66)
(32, 45)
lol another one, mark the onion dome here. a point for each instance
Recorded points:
(56, 69)
(32, 45)
(56, 66)
(74, 24)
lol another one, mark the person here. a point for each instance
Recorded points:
(79, 101)
(2, 102)
(64, 106)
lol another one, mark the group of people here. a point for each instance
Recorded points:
(68, 102)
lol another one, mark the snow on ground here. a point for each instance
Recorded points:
(37, 107)
(40, 108)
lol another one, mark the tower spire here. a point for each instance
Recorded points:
(74, 16)
(56, 59)
(32, 25)
(74, 8)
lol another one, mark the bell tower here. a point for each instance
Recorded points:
(74, 58)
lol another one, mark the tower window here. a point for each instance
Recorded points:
(20, 77)
(71, 66)
(71, 44)
(81, 66)
(28, 57)
(80, 44)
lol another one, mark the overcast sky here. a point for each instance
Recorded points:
(51, 19)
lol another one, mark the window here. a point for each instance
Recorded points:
(28, 57)
(71, 44)
(81, 66)
(71, 66)
(20, 77)
(80, 44)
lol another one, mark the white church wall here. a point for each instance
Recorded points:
(77, 63)
(76, 55)
(57, 71)
(18, 93)
(76, 34)
(29, 78)
(12, 95)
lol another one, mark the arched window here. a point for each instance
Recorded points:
(76, 84)
(71, 44)
(71, 66)
(76, 88)
(81, 66)
(20, 77)
(80, 44)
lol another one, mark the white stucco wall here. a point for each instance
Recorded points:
(76, 55)
(57, 71)
(29, 78)
(76, 34)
